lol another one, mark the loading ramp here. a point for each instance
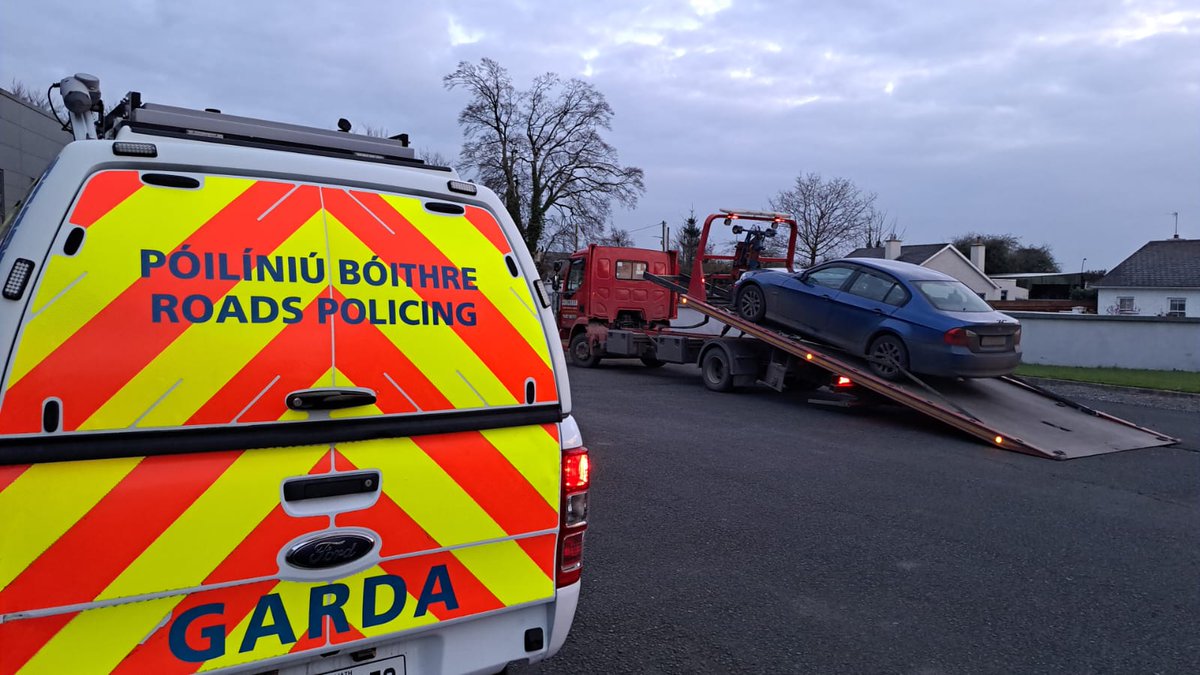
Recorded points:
(1006, 412)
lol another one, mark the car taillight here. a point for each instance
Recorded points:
(843, 381)
(956, 337)
(576, 478)
(1017, 337)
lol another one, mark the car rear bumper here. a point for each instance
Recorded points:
(963, 363)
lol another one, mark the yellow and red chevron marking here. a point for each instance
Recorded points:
(89, 340)
(485, 364)
(82, 533)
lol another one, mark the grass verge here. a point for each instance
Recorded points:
(1169, 380)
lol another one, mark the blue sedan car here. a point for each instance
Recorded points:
(898, 315)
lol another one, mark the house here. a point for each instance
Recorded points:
(1161, 279)
(947, 259)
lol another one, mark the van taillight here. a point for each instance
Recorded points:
(576, 477)
(956, 337)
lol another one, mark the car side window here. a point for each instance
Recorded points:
(897, 295)
(872, 286)
(831, 277)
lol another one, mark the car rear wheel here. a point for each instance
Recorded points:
(715, 371)
(582, 353)
(888, 357)
(751, 303)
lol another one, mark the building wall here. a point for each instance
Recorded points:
(1148, 301)
(1095, 340)
(960, 269)
(29, 140)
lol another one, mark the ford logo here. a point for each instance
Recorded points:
(330, 550)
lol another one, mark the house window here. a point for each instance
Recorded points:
(1003, 294)
(630, 269)
(1125, 305)
(1176, 306)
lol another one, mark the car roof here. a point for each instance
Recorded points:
(903, 270)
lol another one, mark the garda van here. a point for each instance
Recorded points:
(276, 398)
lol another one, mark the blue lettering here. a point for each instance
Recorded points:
(439, 578)
(152, 259)
(231, 308)
(371, 616)
(348, 271)
(404, 306)
(263, 310)
(291, 306)
(326, 307)
(359, 313)
(318, 609)
(205, 308)
(272, 605)
(465, 313)
(468, 279)
(162, 305)
(214, 635)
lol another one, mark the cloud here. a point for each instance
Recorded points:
(1067, 123)
(460, 35)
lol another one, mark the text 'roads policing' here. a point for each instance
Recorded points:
(188, 265)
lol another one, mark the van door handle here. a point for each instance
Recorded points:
(337, 485)
(330, 398)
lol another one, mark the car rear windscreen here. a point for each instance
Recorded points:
(952, 296)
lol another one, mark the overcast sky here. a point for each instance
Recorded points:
(1072, 123)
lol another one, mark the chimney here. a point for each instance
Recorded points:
(891, 248)
(978, 252)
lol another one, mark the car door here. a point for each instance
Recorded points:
(808, 298)
(856, 313)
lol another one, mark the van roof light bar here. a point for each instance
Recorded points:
(165, 120)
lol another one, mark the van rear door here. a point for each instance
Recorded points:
(168, 502)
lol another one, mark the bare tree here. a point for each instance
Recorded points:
(29, 95)
(830, 214)
(877, 228)
(433, 157)
(616, 237)
(542, 150)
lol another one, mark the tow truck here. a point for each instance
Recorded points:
(621, 302)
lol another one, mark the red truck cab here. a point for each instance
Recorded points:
(603, 287)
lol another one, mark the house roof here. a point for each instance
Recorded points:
(1168, 263)
(913, 253)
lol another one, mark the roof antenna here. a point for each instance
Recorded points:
(1176, 214)
(343, 124)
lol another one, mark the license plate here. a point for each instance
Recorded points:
(992, 341)
(390, 666)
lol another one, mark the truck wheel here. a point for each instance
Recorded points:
(751, 303)
(582, 353)
(715, 371)
(886, 353)
(652, 362)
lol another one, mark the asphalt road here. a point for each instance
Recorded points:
(752, 532)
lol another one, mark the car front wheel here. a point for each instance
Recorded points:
(888, 357)
(751, 303)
